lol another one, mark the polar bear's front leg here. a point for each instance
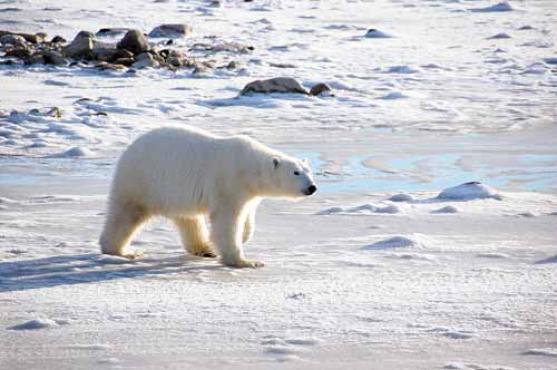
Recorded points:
(194, 235)
(249, 226)
(226, 236)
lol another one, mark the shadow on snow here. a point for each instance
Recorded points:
(89, 268)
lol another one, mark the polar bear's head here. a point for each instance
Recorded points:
(291, 178)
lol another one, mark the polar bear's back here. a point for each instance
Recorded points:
(167, 168)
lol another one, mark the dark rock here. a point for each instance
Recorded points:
(20, 53)
(134, 41)
(86, 34)
(36, 58)
(105, 66)
(34, 39)
(171, 31)
(111, 31)
(125, 61)
(232, 65)
(58, 39)
(54, 57)
(320, 89)
(274, 85)
(110, 55)
(11, 39)
(81, 46)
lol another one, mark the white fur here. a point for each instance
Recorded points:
(188, 175)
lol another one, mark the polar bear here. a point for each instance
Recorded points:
(191, 176)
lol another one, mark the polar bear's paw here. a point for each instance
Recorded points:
(133, 255)
(205, 254)
(242, 263)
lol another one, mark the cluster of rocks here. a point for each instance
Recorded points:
(284, 85)
(133, 50)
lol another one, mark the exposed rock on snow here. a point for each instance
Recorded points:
(321, 89)
(72, 153)
(446, 209)
(223, 46)
(81, 47)
(499, 7)
(145, 60)
(401, 197)
(499, 36)
(112, 31)
(274, 85)
(171, 30)
(551, 352)
(376, 34)
(33, 39)
(12, 39)
(397, 242)
(134, 41)
(35, 325)
(469, 191)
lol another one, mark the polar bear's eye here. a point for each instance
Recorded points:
(296, 173)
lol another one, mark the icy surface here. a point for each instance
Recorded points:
(377, 270)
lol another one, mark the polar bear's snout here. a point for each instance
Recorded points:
(310, 190)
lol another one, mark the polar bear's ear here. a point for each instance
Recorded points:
(276, 162)
(305, 161)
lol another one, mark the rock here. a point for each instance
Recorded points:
(274, 85)
(376, 34)
(81, 46)
(105, 66)
(54, 57)
(145, 60)
(11, 39)
(57, 39)
(36, 58)
(321, 89)
(34, 39)
(134, 41)
(232, 65)
(171, 30)
(111, 31)
(87, 34)
(110, 55)
(231, 47)
(125, 61)
(21, 52)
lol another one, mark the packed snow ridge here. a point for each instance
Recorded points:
(469, 191)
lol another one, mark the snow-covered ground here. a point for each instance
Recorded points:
(388, 266)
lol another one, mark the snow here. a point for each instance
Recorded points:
(469, 191)
(429, 244)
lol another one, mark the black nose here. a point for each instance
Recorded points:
(312, 189)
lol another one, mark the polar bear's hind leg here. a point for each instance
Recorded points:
(122, 223)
